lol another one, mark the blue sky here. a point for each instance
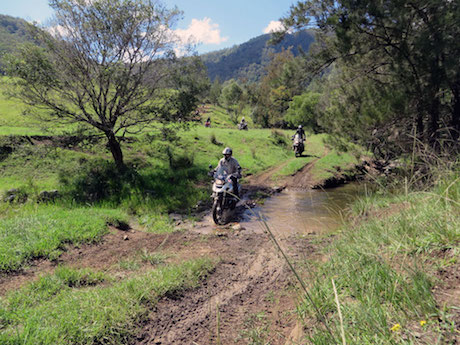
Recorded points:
(216, 24)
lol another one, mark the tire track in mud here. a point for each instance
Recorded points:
(250, 270)
(265, 178)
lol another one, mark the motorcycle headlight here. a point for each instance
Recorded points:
(219, 182)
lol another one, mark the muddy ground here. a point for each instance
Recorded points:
(250, 298)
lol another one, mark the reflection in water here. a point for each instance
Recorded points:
(305, 211)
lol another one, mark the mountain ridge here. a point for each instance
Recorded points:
(247, 60)
(242, 61)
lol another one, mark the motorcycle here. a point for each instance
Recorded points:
(224, 200)
(243, 126)
(298, 145)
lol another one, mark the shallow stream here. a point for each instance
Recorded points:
(295, 211)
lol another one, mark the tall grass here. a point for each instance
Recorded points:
(383, 268)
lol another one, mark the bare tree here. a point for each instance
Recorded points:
(103, 64)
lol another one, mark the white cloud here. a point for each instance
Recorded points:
(273, 26)
(58, 31)
(201, 31)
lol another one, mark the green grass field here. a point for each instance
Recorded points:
(35, 232)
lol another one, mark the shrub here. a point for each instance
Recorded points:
(278, 138)
(214, 140)
(98, 180)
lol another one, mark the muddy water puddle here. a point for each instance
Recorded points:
(296, 211)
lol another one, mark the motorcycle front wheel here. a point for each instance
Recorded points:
(218, 213)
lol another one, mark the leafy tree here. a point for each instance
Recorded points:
(106, 65)
(230, 97)
(215, 91)
(365, 112)
(189, 83)
(274, 92)
(408, 46)
(303, 111)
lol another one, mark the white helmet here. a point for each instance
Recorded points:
(300, 126)
(227, 151)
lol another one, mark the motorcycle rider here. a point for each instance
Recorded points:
(232, 167)
(243, 124)
(301, 132)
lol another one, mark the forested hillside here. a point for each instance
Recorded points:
(246, 60)
(249, 59)
(13, 31)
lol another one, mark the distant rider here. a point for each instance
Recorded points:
(301, 132)
(243, 123)
(301, 136)
(208, 122)
(231, 166)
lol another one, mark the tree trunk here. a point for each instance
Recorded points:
(115, 148)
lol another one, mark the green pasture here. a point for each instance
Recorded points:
(16, 118)
(220, 118)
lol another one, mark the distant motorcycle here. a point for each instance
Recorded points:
(243, 126)
(298, 145)
(224, 201)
